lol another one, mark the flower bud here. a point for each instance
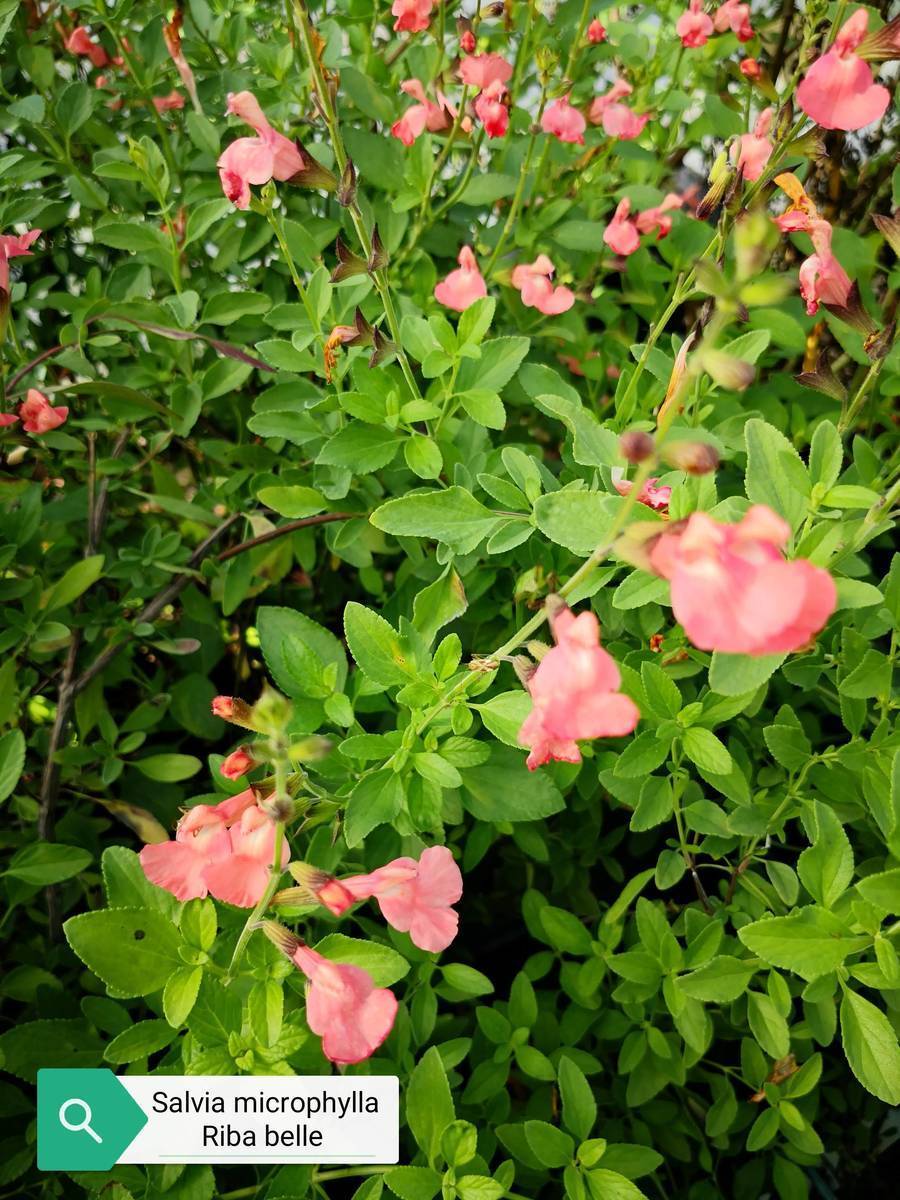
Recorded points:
(279, 808)
(889, 228)
(349, 264)
(272, 712)
(238, 763)
(379, 257)
(346, 191)
(287, 942)
(728, 372)
(750, 68)
(694, 458)
(467, 42)
(636, 446)
(233, 709)
(321, 888)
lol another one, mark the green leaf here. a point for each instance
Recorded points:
(376, 646)
(503, 715)
(576, 519)
(76, 580)
(43, 863)
(768, 1025)
(133, 950)
(811, 941)
(704, 748)
(775, 472)
(294, 501)
(503, 789)
(500, 359)
(362, 448)
(227, 307)
(610, 1185)
(655, 804)
(642, 755)
(882, 890)
(168, 768)
(552, 1147)
(413, 1183)
(738, 674)
(467, 980)
(826, 867)
(579, 1108)
(297, 652)
(180, 994)
(429, 1105)
(856, 593)
(140, 1041)
(385, 965)
(870, 1044)
(30, 1045)
(375, 800)
(826, 454)
(663, 696)
(718, 981)
(452, 516)
(484, 406)
(438, 604)
(122, 235)
(12, 760)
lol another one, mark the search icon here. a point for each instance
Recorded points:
(82, 1125)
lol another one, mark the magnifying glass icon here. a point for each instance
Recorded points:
(79, 1125)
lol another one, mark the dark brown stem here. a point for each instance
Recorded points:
(787, 16)
(154, 607)
(272, 534)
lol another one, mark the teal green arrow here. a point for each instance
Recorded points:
(86, 1118)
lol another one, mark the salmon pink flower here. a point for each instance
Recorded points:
(166, 103)
(574, 692)
(822, 278)
(491, 111)
(240, 876)
(564, 121)
(621, 234)
(13, 245)
(343, 1006)
(255, 160)
(424, 115)
(201, 839)
(238, 763)
(79, 42)
(838, 90)
(753, 150)
(39, 415)
(596, 32)
(414, 897)
(7, 419)
(735, 16)
(463, 286)
(733, 590)
(617, 119)
(467, 42)
(658, 218)
(650, 495)
(412, 15)
(481, 70)
(694, 26)
(533, 280)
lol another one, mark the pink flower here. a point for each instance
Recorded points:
(694, 26)
(491, 111)
(414, 897)
(533, 281)
(79, 42)
(463, 286)
(753, 150)
(223, 706)
(750, 68)
(7, 419)
(38, 414)
(838, 91)
(733, 590)
(617, 119)
(481, 70)
(412, 15)
(201, 839)
(424, 115)
(238, 763)
(165, 103)
(658, 218)
(564, 121)
(596, 32)
(240, 876)
(652, 496)
(735, 16)
(467, 42)
(14, 245)
(574, 692)
(343, 1006)
(822, 278)
(256, 160)
(621, 234)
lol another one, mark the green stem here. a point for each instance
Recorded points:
(349, 1173)
(278, 230)
(263, 902)
(520, 188)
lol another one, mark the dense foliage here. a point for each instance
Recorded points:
(322, 324)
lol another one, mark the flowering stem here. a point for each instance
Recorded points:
(852, 412)
(262, 904)
(520, 189)
(379, 277)
(278, 229)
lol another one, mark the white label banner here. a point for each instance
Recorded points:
(265, 1118)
